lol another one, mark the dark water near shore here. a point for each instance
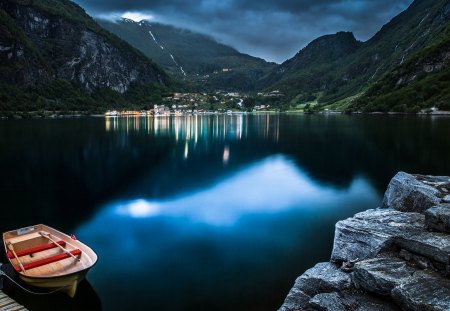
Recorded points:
(205, 213)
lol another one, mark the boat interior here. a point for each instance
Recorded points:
(41, 251)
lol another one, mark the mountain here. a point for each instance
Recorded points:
(422, 81)
(53, 56)
(345, 68)
(197, 59)
(312, 67)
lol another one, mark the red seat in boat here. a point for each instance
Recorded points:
(46, 261)
(36, 249)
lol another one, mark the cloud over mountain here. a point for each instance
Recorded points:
(274, 30)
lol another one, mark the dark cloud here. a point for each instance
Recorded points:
(271, 29)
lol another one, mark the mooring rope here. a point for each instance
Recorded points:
(29, 291)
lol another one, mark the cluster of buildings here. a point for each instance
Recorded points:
(275, 93)
(196, 103)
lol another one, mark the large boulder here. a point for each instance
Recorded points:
(328, 302)
(351, 300)
(381, 275)
(423, 291)
(322, 278)
(437, 218)
(371, 232)
(374, 239)
(431, 245)
(407, 194)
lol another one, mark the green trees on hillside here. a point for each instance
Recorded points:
(65, 97)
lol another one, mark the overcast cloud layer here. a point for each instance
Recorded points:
(271, 29)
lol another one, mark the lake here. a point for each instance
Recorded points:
(217, 212)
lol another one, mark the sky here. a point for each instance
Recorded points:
(271, 29)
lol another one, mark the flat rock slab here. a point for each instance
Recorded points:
(350, 301)
(381, 275)
(407, 193)
(438, 218)
(372, 232)
(323, 277)
(432, 245)
(368, 233)
(423, 291)
(328, 302)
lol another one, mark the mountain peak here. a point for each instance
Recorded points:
(341, 36)
(338, 44)
(327, 48)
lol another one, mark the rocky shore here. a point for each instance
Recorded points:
(395, 257)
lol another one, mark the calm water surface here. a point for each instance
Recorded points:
(204, 213)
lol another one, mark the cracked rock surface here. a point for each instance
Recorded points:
(392, 258)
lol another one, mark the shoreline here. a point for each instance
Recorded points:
(58, 115)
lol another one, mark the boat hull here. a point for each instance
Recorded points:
(68, 284)
(40, 262)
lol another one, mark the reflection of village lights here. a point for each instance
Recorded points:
(195, 127)
(186, 150)
(177, 128)
(240, 124)
(188, 128)
(136, 123)
(226, 155)
(156, 122)
(149, 124)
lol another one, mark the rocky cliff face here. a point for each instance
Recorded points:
(194, 58)
(393, 258)
(38, 45)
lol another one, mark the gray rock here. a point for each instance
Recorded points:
(446, 199)
(432, 245)
(295, 300)
(371, 232)
(374, 304)
(419, 261)
(328, 302)
(424, 291)
(366, 302)
(351, 300)
(407, 194)
(383, 232)
(438, 218)
(381, 275)
(323, 277)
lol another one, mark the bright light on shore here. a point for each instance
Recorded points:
(137, 16)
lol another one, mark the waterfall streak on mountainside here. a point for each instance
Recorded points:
(171, 56)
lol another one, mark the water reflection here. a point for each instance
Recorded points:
(213, 246)
(270, 186)
(218, 211)
(191, 127)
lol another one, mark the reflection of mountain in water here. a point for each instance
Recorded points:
(56, 171)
